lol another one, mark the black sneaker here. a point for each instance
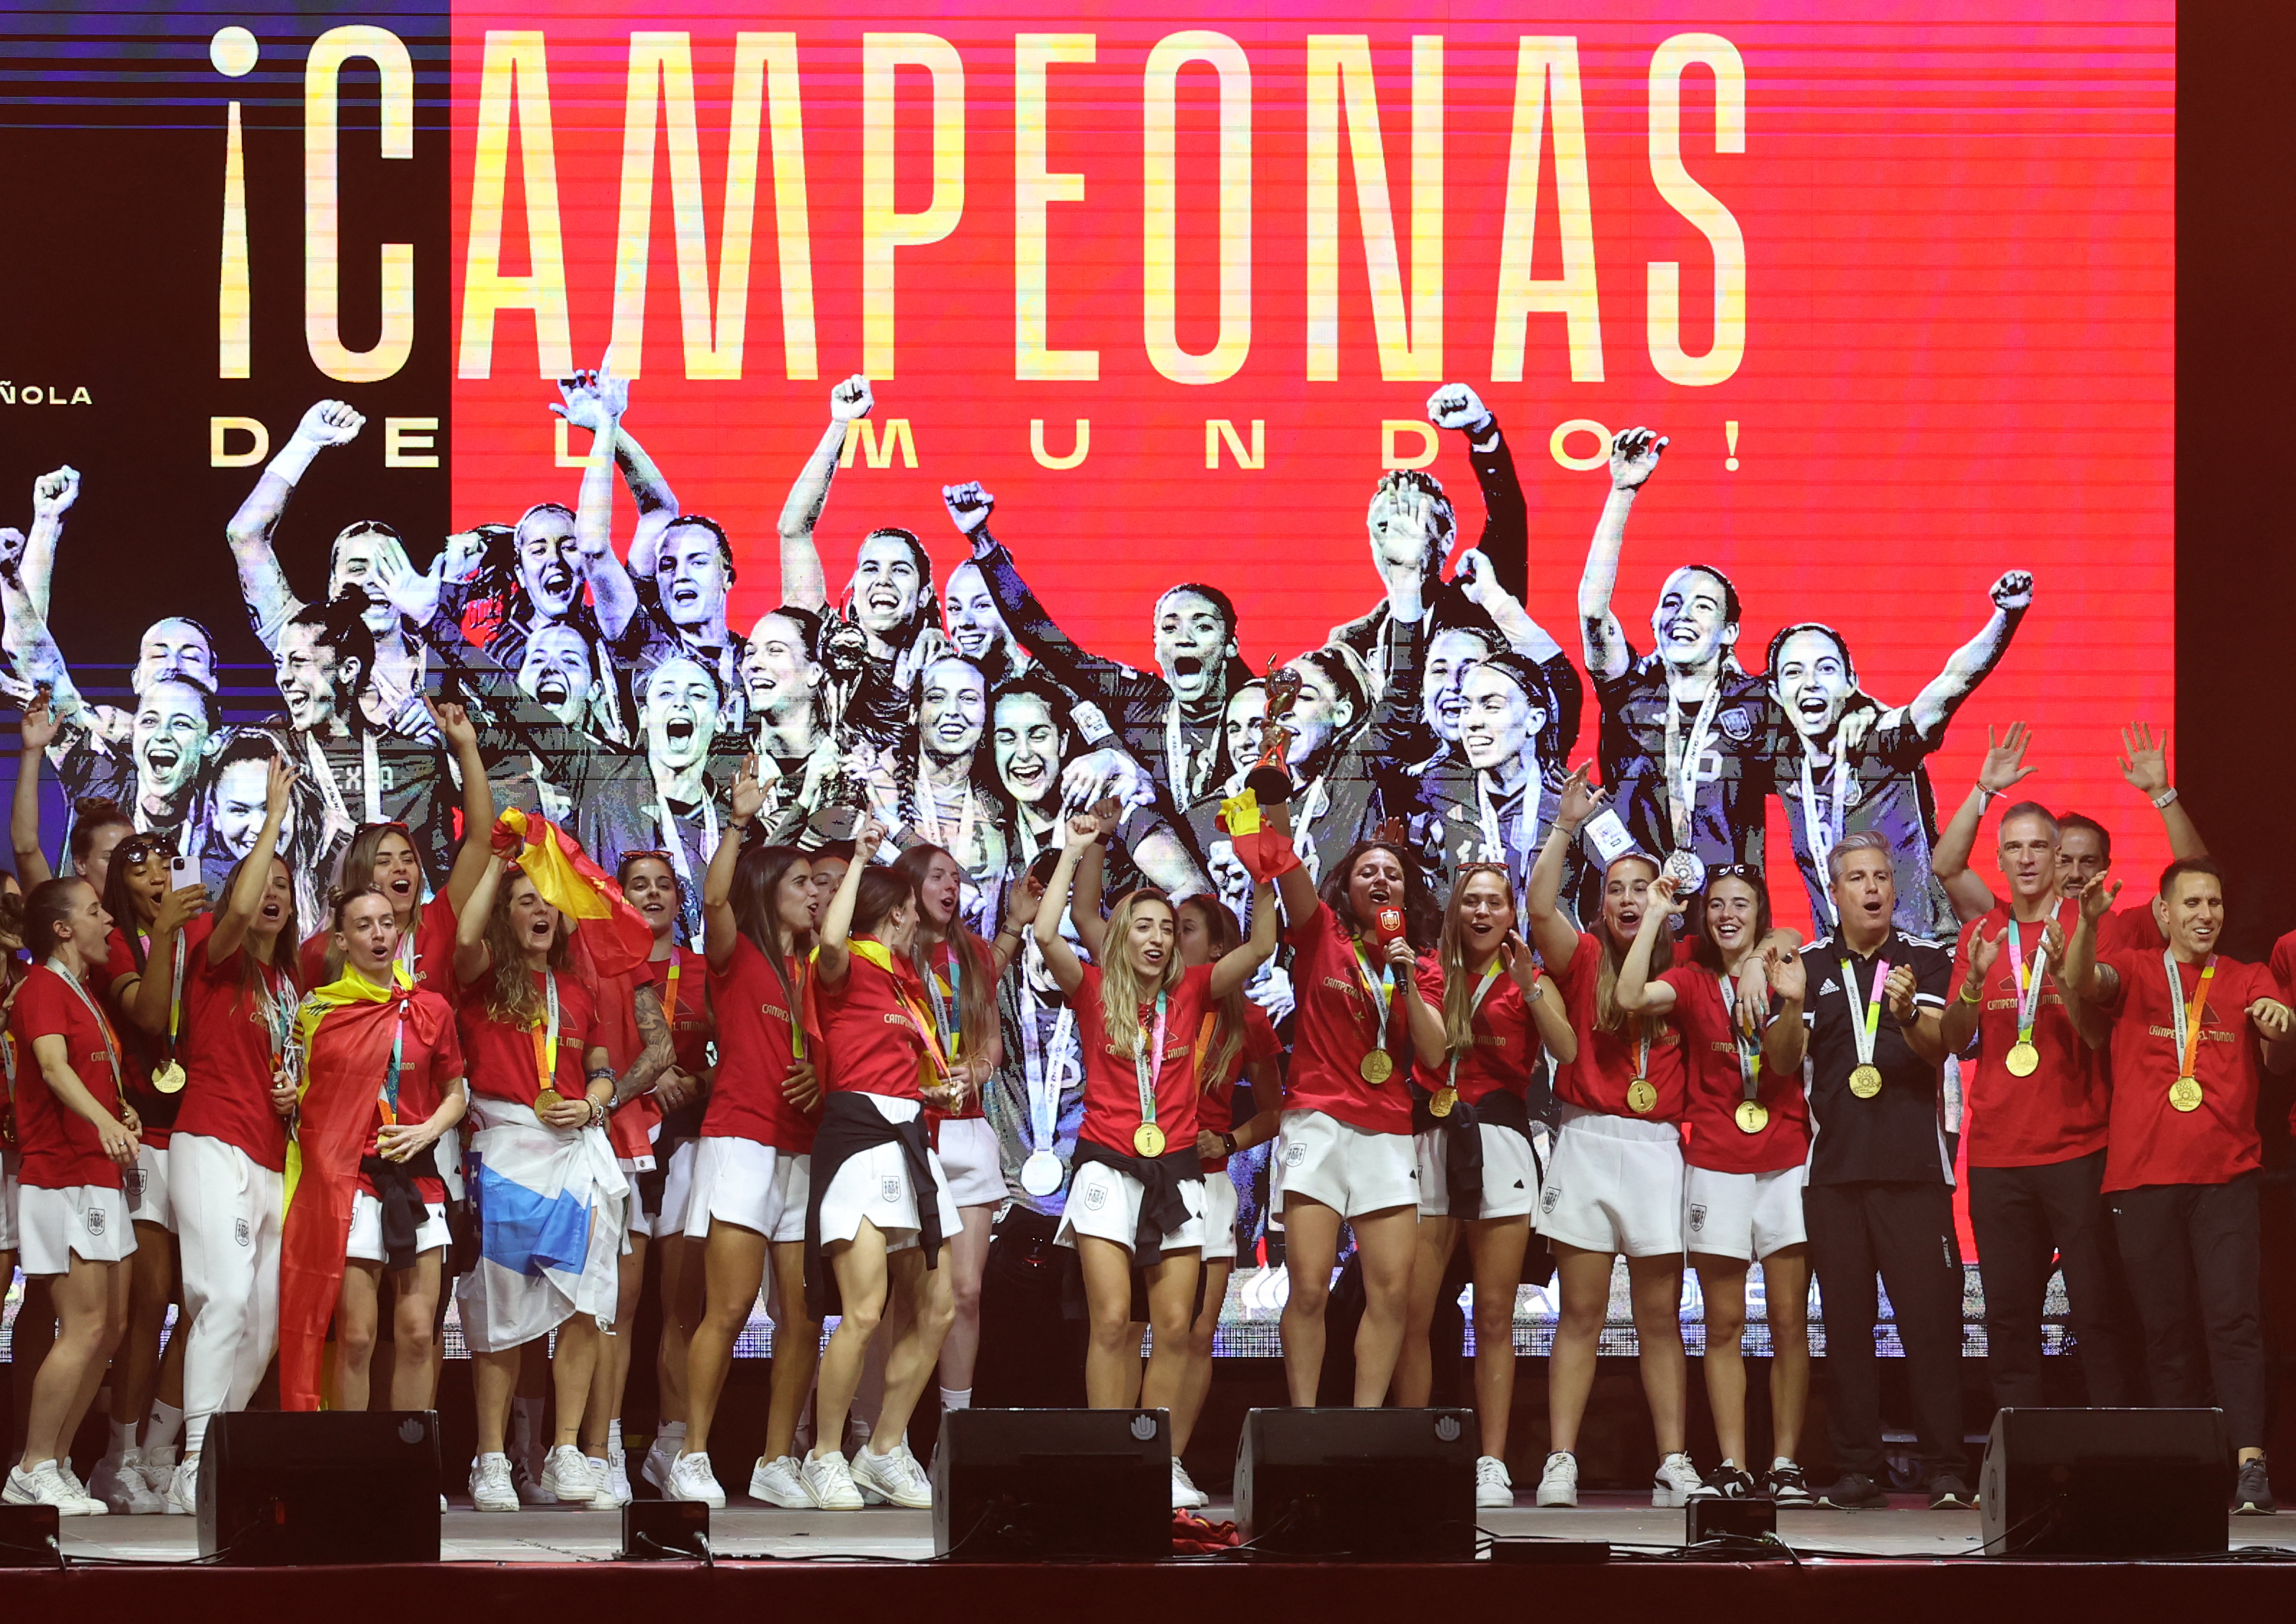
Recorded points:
(1855, 1492)
(1725, 1482)
(2251, 1496)
(1786, 1485)
(1949, 1493)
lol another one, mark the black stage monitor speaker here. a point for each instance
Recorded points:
(1025, 1485)
(30, 1537)
(2105, 1483)
(292, 1487)
(1397, 1485)
(665, 1531)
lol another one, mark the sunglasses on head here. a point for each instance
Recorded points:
(1751, 872)
(138, 849)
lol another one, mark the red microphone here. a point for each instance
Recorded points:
(1387, 925)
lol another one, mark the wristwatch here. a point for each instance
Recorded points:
(1227, 1142)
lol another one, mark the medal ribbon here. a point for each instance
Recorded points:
(1865, 1030)
(2028, 1000)
(1682, 763)
(1495, 845)
(1750, 1052)
(545, 1045)
(388, 1099)
(1825, 832)
(1381, 991)
(1482, 990)
(103, 1025)
(2187, 1018)
(945, 1011)
(1044, 1068)
(795, 983)
(1147, 1064)
(674, 846)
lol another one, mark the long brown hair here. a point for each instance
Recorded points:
(1608, 1015)
(976, 992)
(1122, 990)
(1450, 948)
(511, 996)
(1227, 1013)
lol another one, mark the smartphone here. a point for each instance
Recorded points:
(182, 871)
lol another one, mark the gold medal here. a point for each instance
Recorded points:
(1148, 1139)
(2024, 1059)
(168, 1077)
(1445, 1098)
(1865, 1081)
(1377, 1066)
(1753, 1116)
(545, 1098)
(2184, 1094)
(1641, 1097)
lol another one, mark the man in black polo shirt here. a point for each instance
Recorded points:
(1880, 1197)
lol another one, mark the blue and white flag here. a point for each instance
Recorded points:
(550, 1211)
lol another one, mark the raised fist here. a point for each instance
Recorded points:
(969, 506)
(331, 422)
(53, 493)
(851, 399)
(2013, 591)
(1455, 406)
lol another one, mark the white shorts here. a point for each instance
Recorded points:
(7, 1200)
(1614, 1185)
(1509, 1173)
(366, 1243)
(975, 1165)
(89, 1219)
(1746, 1216)
(677, 1191)
(1105, 1202)
(636, 1219)
(739, 1181)
(1348, 1169)
(875, 1185)
(1219, 1217)
(152, 1204)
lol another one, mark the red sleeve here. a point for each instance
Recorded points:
(41, 1011)
(1681, 978)
(448, 1063)
(313, 958)
(2282, 964)
(1320, 926)
(1261, 1042)
(118, 963)
(1088, 989)
(1585, 963)
(596, 1032)
(2125, 965)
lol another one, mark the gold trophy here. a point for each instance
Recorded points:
(1270, 777)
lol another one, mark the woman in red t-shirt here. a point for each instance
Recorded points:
(76, 1132)
(227, 1153)
(753, 1161)
(1613, 1185)
(1135, 1193)
(1496, 1016)
(879, 1211)
(526, 1020)
(1746, 1159)
(959, 972)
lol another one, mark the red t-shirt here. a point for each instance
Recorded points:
(948, 990)
(431, 1057)
(434, 949)
(2151, 1142)
(232, 1046)
(501, 1057)
(1606, 1066)
(755, 1054)
(2058, 1113)
(1216, 1097)
(1712, 1138)
(870, 1038)
(1112, 1084)
(154, 1110)
(1506, 1042)
(684, 1004)
(62, 1149)
(1337, 1024)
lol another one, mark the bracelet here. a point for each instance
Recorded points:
(1989, 795)
(1965, 998)
(1227, 1142)
(2164, 802)
(597, 1113)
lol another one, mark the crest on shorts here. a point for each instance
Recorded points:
(1548, 1197)
(891, 1189)
(241, 1233)
(95, 1220)
(1095, 1197)
(1698, 1215)
(1294, 1154)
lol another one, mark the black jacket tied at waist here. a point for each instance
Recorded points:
(1162, 1208)
(852, 1124)
(402, 1208)
(1463, 1141)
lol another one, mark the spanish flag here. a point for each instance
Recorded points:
(616, 938)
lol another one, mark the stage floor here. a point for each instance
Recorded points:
(1907, 1531)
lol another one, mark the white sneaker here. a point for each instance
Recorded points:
(894, 1477)
(1494, 1488)
(46, 1485)
(655, 1468)
(1558, 1483)
(567, 1476)
(1186, 1494)
(184, 1488)
(117, 1481)
(491, 1488)
(777, 1483)
(617, 1476)
(1674, 1481)
(829, 1482)
(691, 1479)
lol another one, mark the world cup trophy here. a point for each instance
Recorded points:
(1270, 777)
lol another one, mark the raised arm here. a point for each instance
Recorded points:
(1935, 705)
(597, 401)
(1637, 993)
(1959, 1022)
(720, 928)
(1633, 457)
(1477, 578)
(1505, 539)
(146, 998)
(2003, 766)
(24, 810)
(1292, 885)
(1786, 1039)
(2083, 976)
(1086, 675)
(1552, 933)
(1091, 871)
(270, 600)
(472, 959)
(1060, 958)
(656, 504)
(462, 735)
(835, 958)
(52, 495)
(804, 583)
(2145, 762)
(1232, 969)
(1547, 1014)
(246, 898)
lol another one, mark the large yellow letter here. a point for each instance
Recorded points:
(882, 228)
(1159, 190)
(713, 350)
(516, 74)
(1033, 187)
(1338, 66)
(1538, 58)
(1663, 315)
(322, 219)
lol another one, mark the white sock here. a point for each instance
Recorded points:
(163, 1426)
(671, 1438)
(955, 1397)
(123, 1438)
